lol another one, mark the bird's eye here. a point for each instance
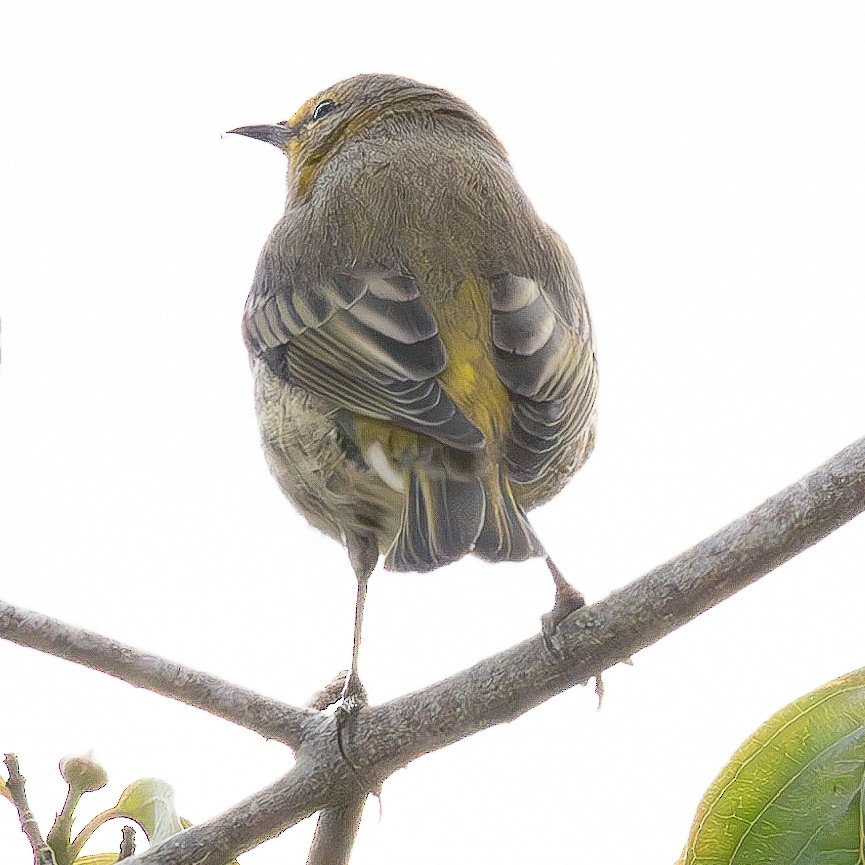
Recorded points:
(323, 108)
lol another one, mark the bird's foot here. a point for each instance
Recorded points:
(352, 698)
(344, 691)
(330, 694)
(567, 601)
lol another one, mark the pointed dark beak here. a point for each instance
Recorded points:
(278, 134)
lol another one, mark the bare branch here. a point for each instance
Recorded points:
(596, 637)
(271, 718)
(42, 854)
(502, 687)
(380, 739)
(335, 833)
(306, 789)
(329, 694)
(127, 843)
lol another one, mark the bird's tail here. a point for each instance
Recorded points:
(448, 515)
(506, 535)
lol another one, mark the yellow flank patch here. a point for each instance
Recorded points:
(470, 376)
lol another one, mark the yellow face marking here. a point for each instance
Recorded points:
(303, 165)
(307, 152)
(305, 110)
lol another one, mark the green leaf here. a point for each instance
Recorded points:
(150, 803)
(792, 793)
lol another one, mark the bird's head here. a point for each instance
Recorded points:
(324, 123)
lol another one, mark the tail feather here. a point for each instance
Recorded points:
(507, 535)
(447, 516)
(441, 520)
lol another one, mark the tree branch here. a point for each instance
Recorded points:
(309, 787)
(381, 739)
(335, 833)
(127, 843)
(596, 637)
(42, 854)
(271, 718)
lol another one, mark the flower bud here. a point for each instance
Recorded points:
(83, 773)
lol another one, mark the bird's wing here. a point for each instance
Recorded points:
(544, 356)
(363, 339)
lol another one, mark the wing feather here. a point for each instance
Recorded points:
(363, 339)
(547, 363)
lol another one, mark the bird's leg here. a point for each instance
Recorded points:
(568, 599)
(363, 553)
(353, 693)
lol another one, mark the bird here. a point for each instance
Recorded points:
(422, 354)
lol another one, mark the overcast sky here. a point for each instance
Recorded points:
(704, 161)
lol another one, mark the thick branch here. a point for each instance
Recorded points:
(335, 833)
(271, 718)
(309, 787)
(594, 638)
(381, 739)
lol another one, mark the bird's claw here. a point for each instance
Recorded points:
(568, 600)
(548, 631)
(352, 699)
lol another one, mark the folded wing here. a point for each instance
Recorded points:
(363, 339)
(544, 357)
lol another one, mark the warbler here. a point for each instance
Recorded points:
(419, 339)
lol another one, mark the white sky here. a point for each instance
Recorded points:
(705, 163)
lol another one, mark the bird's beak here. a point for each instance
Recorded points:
(277, 134)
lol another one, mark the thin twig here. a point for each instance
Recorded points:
(335, 833)
(271, 718)
(127, 843)
(42, 854)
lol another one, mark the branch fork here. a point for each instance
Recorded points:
(381, 739)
